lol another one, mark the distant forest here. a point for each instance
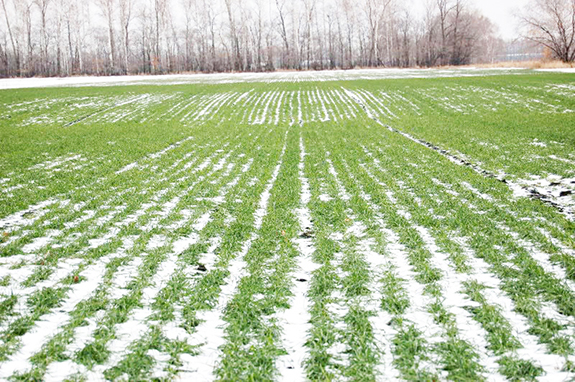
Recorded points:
(109, 37)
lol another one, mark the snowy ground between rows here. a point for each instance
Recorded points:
(283, 76)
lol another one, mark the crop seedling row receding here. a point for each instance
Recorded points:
(417, 229)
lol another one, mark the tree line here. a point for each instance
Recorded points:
(109, 37)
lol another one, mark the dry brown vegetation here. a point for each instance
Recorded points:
(534, 64)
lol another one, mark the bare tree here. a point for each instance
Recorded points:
(188, 6)
(4, 59)
(205, 18)
(43, 7)
(24, 10)
(349, 16)
(428, 46)
(551, 23)
(283, 30)
(71, 12)
(61, 36)
(234, 39)
(107, 7)
(309, 7)
(257, 35)
(160, 13)
(404, 31)
(13, 40)
(59, 17)
(378, 22)
(444, 7)
(126, 16)
(457, 36)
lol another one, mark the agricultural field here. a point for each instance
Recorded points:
(366, 229)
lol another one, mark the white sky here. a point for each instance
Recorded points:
(501, 13)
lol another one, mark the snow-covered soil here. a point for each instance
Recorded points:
(557, 70)
(221, 78)
(287, 235)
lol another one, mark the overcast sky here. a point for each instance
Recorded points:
(501, 13)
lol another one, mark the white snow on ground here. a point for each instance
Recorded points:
(455, 302)
(560, 194)
(542, 258)
(49, 324)
(124, 275)
(554, 188)
(378, 262)
(127, 167)
(472, 332)
(538, 143)
(342, 193)
(40, 242)
(451, 284)
(173, 79)
(210, 333)
(340, 306)
(50, 164)
(532, 349)
(295, 320)
(557, 70)
(184, 243)
(25, 218)
(266, 107)
(155, 155)
(337, 309)
(18, 275)
(564, 160)
(84, 334)
(202, 221)
(156, 241)
(209, 258)
(417, 313)
(382, 332)
(480, 194)
(136, 326)
(88, 214)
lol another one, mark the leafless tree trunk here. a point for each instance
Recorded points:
(444, 7)
(234, 40)
(27, 24)
(283, 32)
(309, 12)
(160, 15)
(60, 9)
(126, 18)
(4, 61)
(432, 54)
(13, 41)
(107, 7)
(188, 6)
